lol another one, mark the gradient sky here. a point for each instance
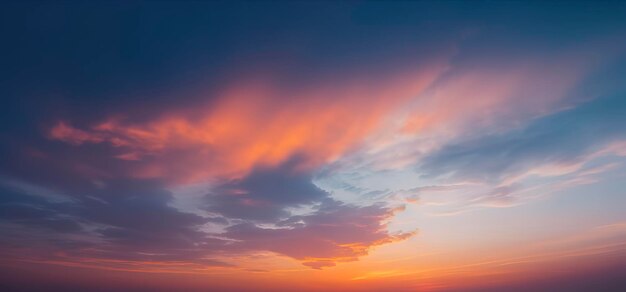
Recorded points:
(313, 146)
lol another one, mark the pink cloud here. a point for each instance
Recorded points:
(256, 124)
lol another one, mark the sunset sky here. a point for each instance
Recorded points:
(313, 146)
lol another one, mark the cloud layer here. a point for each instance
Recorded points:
(199, 137)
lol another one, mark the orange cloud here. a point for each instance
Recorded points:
(255, 124)
(63, 131)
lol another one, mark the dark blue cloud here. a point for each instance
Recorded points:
(265, 193)
(34, 212)
(124, 220)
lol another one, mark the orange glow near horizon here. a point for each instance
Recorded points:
(383, 270)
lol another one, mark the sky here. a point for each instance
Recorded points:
(313, 146)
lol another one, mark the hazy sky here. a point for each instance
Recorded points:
(313, 146)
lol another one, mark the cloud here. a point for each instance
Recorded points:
(327, 233)
(64, 132)
(565, 138)
(34, 211)
(260, 146)
(265, 193)
(496, 96)
(335, 232)
(131, 223)
(254, 123)
(125, 221)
